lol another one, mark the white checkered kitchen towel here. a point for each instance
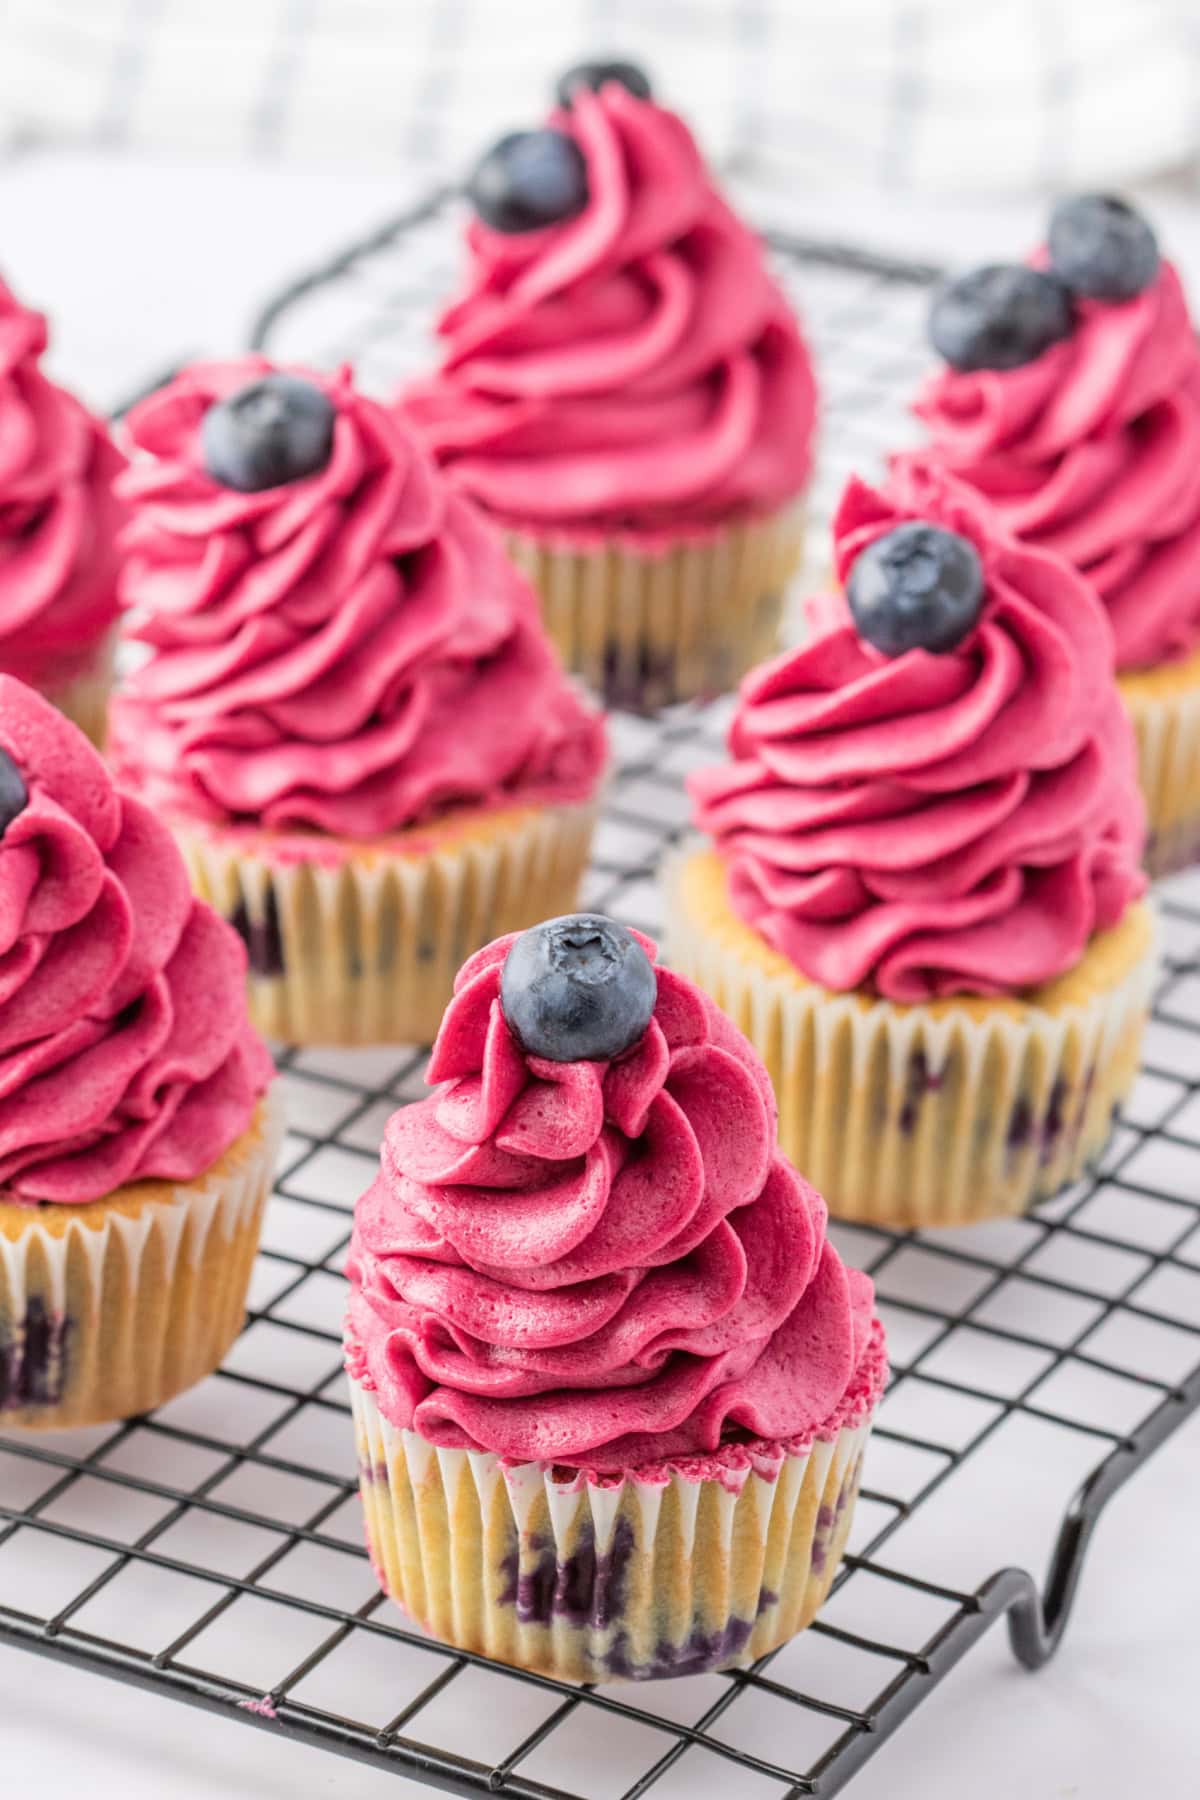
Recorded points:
(891, 94)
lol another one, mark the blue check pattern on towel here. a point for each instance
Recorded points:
(905, 95)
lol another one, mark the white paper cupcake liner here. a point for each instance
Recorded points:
(926, 1114)
(632, 1579)
(363, 947)
(1164, 705)
(108, 1309)
(649, 628)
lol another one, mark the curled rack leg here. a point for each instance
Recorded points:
(1036, 1622)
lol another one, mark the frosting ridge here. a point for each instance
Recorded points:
(58, 515)
(634, 368)
(601, 1265)
(926, 824)
(125, 1049)
(349, 652)
(1093, 451)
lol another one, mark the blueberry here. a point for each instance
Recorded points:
(594, 75)
(999, 317)
(916, 588)
(14, 796)
(577, 989)
(1101, 247)
(528, 180)
(276, 430)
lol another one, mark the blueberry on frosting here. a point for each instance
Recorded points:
(529, 180)
(577, 989)
(595, 75)
(999, 317)
(276, 430)
(1101, 247)
(14, 795)
(918, 587)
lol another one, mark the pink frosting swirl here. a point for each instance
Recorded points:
(1093, 451)
(931, 825)
(125, 1049)
(58, 515)
(601, 1265)
(634, 368)
(350, 652)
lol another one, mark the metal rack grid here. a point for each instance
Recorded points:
(213, 1550)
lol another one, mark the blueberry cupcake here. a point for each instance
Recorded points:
(922, 900)
(349, 713)
(611, 1382)
(624, 388)
(58, 526)
(137, 1135)
(1071, 399)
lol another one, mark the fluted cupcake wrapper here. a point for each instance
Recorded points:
(1164, 704)
(362, 946)
(108, 1309)
(629, 1579)
(934, 1114)
(647, 628)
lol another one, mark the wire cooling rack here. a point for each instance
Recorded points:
(213, 1550)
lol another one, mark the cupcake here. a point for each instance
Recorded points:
(625, 389)
(58, 526)
(349, 713)
(137, 1136)
(1071, 399)
(922, 903)
(611, 1383)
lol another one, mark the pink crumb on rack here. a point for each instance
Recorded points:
(265, 1707)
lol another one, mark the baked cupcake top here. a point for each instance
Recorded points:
(585, 1249)
(125, 1050)
(58, 515)
(937, 793)
(337, 641)
(1071, 398)
(621, 361)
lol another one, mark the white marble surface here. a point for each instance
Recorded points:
(141, 265)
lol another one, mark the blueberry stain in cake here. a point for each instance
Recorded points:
(1085, 1105)
(696, 1654)
(637, 678)
(263, 937)
(918, 587)
(829, 1518)
(276, 430)
(1101, 247)
(1020, 1124)
(821, 1538)
(595, 75)
(577, 989)
(529, 180)
(1054, 1121)
(33, 1364)
(919, 1080)
(1045, 1130)
(588, 1591)
(1001, 316)
(14, 795)
(584, 1588)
